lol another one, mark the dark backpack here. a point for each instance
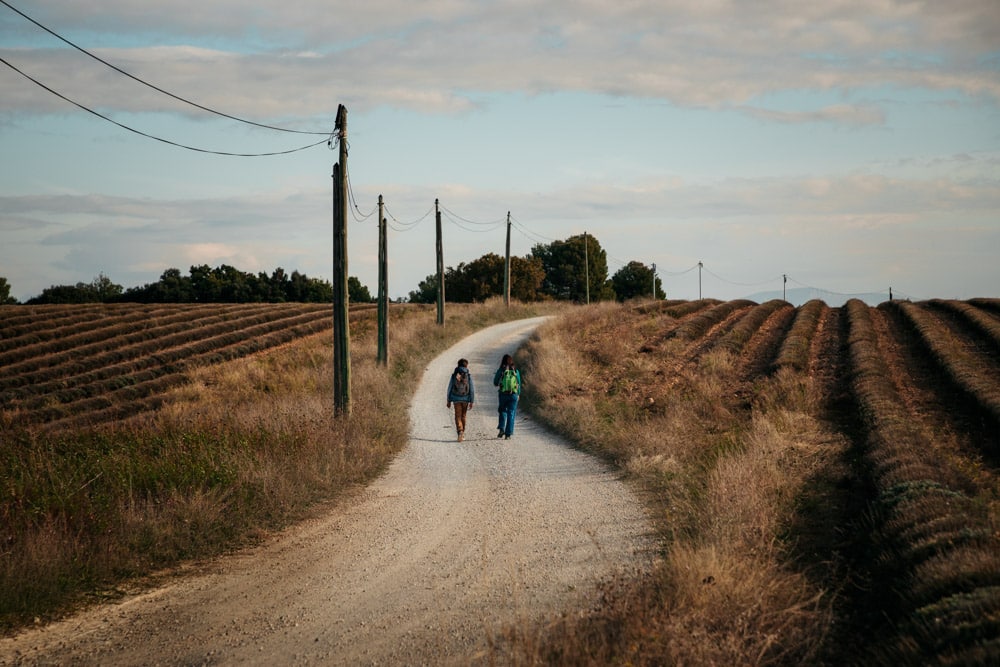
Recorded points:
(508, 382)
(461, 385)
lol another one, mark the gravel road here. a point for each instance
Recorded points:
(454, 542)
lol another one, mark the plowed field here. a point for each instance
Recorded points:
(66, 366)
(914, 387)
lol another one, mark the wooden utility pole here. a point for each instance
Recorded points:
(506, 267)
(383, 288)
(341, 329)
(699, 281)
(440, 265)
(586, 266)
(654, 281)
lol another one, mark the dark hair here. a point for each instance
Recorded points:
(507, 360)
(463, 363)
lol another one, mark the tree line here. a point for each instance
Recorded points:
(575, 269)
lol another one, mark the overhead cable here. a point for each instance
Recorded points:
(406, 226)
(156, 88)
(763, 282)
(150, 136)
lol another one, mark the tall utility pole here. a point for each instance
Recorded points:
(383, 288)
(699, 281)
(506, 267)
(440, 264)
(586, 266)
(654, 281)
(784, 282)
(341, 330)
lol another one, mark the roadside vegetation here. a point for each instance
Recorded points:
(136, 438)
(825, 480)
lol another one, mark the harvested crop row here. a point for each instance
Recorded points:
(756, 356)
(124, 343)
(794, 351)
(138, 319)
(699, 325)
(977, 318)
(206, 340)
(974, 372)
(38, 364)
(53, 336)
(22, 319)
(937, 547)
(123, 396)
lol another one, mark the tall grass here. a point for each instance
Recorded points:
(242, 448)
(725, 482)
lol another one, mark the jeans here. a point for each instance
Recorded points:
(507, 410)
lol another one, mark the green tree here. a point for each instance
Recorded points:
(356, 292)
(99, 290)
(105, 290)
(526, 279)
(569, 265)
(635, 279)
(5, 298)
(426, 291)
(478, 280)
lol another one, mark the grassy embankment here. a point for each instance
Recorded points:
(725, 476)
(245, 447)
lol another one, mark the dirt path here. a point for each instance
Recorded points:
(454, 542)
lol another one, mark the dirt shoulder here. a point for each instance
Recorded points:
(453, 543)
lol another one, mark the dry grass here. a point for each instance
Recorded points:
(724, 482)
(243, 447)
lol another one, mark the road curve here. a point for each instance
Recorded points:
(454, 542)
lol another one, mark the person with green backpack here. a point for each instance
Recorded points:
(507, 380)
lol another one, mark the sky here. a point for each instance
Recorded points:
(741, 147)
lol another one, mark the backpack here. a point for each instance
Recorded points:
(461, 385)
(508, 382)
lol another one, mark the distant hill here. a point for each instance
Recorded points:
(801, 295)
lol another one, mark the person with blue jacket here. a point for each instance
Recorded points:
(461, 394)
(507, 380)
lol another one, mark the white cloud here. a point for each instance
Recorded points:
(431, 56)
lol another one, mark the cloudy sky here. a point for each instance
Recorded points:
(850, 146)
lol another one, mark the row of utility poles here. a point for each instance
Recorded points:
(341, 328)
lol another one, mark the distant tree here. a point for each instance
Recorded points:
(5, 298)
(426, 291)
(527, 276)
(635, 279)
(105, 290)
(99, 290)
(482, 279)
(566, 276)
(478, 280)
(358, 293)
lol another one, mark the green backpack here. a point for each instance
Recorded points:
(509, 383)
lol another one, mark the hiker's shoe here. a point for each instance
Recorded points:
(506, 437)
(499, 433)
(461, 436)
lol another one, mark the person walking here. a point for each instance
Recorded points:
(507, 380)
(461, 394)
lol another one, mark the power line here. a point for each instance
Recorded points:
(354, 202)
(406, 226)
(145, 134)
(763, 282)
(464, 224)
(453, 215)
(149, 85)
